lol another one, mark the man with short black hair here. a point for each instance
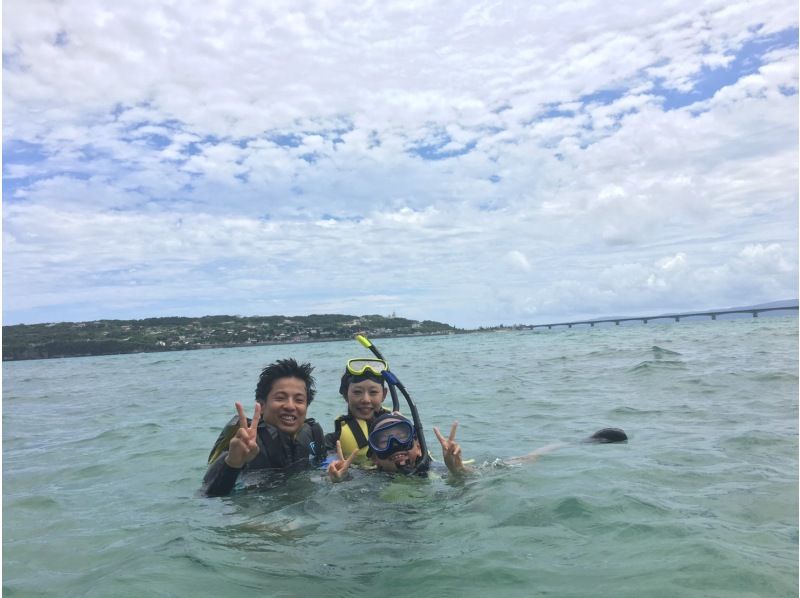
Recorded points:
(278, 437)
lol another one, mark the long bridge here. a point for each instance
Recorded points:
(676, 317)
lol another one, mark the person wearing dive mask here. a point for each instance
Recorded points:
(394, 448)
(397, 445)
(363, 388)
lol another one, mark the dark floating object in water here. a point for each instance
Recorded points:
(607, 435)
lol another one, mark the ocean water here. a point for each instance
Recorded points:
(103, 457)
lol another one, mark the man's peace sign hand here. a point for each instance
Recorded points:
(338, 469)
(243, 447)
(451, 450)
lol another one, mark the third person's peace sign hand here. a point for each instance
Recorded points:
(451, 450)
(243, 447)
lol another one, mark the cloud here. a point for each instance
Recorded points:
(765, 259)
(672, 263)
(518, 259)
(253, 160)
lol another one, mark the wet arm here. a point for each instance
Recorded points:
(220, 477)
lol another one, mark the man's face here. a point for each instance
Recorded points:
(396, 461)
(364, 398)
(286, 405)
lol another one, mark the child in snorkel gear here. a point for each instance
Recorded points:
(364, 390)
(395, 448)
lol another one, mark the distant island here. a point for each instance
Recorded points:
(112, 337)
(150, 335)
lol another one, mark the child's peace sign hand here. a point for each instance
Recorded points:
(338, 469)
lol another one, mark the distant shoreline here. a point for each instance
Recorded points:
(247, 345)
(502, 329)
(167, 334)
(72, 339)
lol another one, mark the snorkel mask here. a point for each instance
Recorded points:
(395, 435)
(362, 366)
(392, 434)
(361, 369)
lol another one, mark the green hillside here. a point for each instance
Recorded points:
(108, 337)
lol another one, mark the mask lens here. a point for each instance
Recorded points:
(358, 367)
(398, 436)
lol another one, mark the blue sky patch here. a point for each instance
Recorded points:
(243, 142)
(17, 151)
(747, 61)
(286, 139)
(603, 96)
(555, 111)
(156, 141)
(355, 219)
(311, 157)
(11, 186)
(62, 39)
(435, 151)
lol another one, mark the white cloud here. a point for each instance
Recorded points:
(518, 259)
(672, 263)
(765, 259)
(246, 160)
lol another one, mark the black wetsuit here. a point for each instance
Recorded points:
(276, 450)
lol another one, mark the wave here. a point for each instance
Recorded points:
(635, 411)
(777, 377)
(572, 507)
(660, 352)
(35, 502)
(658, 364)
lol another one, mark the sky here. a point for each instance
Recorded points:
(475, 163)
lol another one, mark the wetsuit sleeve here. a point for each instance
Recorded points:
(330, 441)
(320, 443)
(220, 477)
(332, 437)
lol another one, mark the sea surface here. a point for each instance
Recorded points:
(103, 458)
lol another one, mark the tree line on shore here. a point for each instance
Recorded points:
(110, 337)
